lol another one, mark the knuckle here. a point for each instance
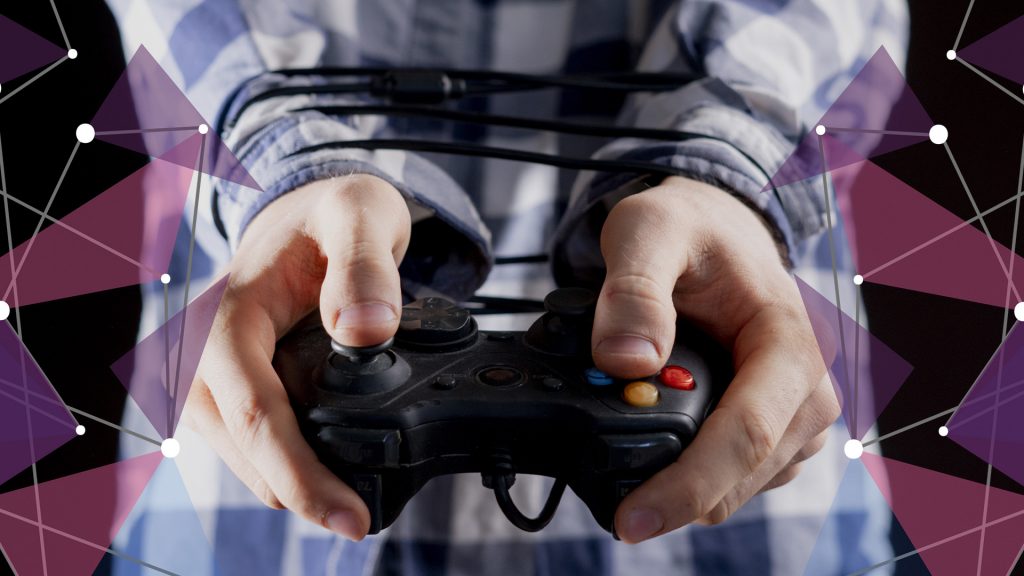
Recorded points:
(758, 437)
(637, 287)
(720, 513)
(247, 421)
(266, 494)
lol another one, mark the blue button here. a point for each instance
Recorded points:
(597, 378)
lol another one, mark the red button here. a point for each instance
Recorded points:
(676, 377)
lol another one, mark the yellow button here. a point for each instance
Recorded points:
(640, 394)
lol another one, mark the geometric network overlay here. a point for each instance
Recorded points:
(124, 236)
(33, 420)
(899, 237)
(33, 50)
(159, 371)
(902, 238)
(863, 391)
(999, 51)
(876, 113)
(65, 524)
(146, 101)
(943, 516)
(988, 422)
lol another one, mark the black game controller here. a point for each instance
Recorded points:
(446, 398)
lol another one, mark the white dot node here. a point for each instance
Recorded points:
(165, 278)
(943, 431)
(80, 430)
(938, 134)
(85, 133)
(170, 448)
(1, 88)
(72, 53)
(819, 129)
(5, 310)
(858, 279)
(951, 55)
(1018, 311)
(203, 128)
(853, 449)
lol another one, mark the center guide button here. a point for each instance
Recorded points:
(501, 376)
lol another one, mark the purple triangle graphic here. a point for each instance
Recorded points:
(150, 371)
(997, 393)
(145, 97)
(137, 220)
(51, 423)
(878, 98)
(882, 371)
(901, 238)
(81, 506)
(933, 507)
(1000, 51)
(32, 51)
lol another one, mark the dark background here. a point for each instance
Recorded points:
(947, 341)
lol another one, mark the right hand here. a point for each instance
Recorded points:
(332, 243)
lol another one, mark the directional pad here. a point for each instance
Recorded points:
(434, 322)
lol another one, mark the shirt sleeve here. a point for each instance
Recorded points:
(223, 54)
(768, 69)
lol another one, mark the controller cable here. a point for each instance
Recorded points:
(502, 477)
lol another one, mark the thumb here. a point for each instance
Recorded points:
(363, 231)
(634, 324)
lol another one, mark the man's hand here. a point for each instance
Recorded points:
(335, 244)
(691, 248)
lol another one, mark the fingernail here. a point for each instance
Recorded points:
(365, 315)
(627, 346)
(641, 524)
(344, 523)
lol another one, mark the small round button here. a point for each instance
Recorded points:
(445, 382)
(552, 383)
(596, 377)
(676, 377)
(500, 376)
(640, 394)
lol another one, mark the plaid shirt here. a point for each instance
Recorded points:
(771, 69)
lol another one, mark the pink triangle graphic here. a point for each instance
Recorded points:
(874, 385)
(878, 98)
(144, 369)
(996, 436)
(941, 515)
(145, 97)
(47, 424)
(138, 218)
(81, 516)
(886, 220)
(1000, 51)
(23, 50)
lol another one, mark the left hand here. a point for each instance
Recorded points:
(689, 248)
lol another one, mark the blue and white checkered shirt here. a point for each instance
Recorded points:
(772, 67)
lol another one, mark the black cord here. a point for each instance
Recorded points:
(500, 305)
(515, 516)
(350, 88)
(528, 259)
(581, 128)
(615, 81)
(463, 149)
